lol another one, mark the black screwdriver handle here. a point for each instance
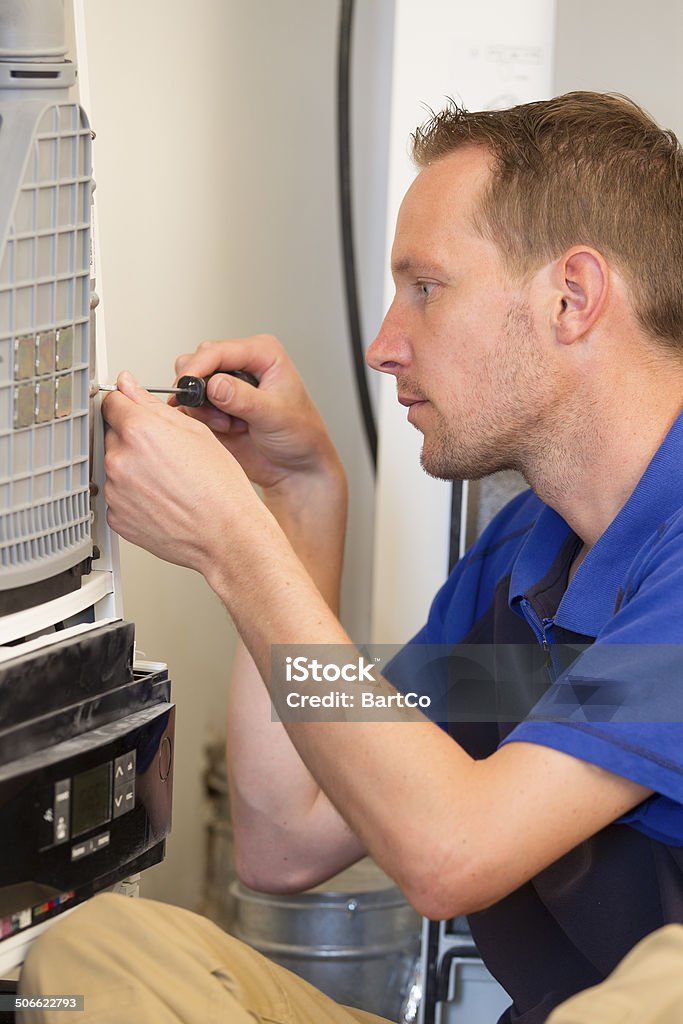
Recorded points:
(193, 389)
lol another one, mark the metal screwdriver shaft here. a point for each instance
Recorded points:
(191, 391)
(153, 391)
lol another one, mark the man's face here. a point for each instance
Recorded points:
(461, 336)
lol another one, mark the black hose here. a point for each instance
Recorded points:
(346, 223)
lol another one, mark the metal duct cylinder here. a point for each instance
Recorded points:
(32, 30)
(356, 938)
(359, 946)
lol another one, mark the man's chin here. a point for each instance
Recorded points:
(438, 467)
(447, 466)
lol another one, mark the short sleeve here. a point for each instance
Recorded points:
(620, 704)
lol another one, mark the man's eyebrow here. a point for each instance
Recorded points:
(407, 265)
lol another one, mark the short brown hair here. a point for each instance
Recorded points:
(583, 168)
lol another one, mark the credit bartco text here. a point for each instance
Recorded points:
(341, 699)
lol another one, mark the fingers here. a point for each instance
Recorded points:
(128, 386)
(258, 354)
(117, 407)
(232, 404)
(230, 399)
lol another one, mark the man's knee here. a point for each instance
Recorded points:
(70, 941)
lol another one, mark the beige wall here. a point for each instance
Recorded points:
(216, 201)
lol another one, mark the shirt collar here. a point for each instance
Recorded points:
(590, 599)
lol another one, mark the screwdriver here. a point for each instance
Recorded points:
(191, 391)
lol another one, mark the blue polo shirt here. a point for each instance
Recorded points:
(612, 641)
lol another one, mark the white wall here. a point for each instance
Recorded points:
(624, 46)
(216, 198)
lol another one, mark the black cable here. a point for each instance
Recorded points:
(456, 524)
(346, 222)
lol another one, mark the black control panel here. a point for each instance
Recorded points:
(89, 800)
(89, 808)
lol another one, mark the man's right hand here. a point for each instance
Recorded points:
(287, 834)
(275, 431)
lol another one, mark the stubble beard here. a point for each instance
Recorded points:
(501, 425)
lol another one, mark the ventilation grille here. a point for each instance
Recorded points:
(44, 356)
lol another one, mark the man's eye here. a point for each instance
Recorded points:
(426, 288)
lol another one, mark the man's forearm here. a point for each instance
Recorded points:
(364, 768)
(312, 514)
(278, 809)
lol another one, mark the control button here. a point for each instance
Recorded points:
(124, 799)
(124, 768)
(99, 842)
(62, 791)
(81, 850)
(62, 806)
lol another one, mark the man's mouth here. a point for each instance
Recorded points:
(408, 400)
(413, 404)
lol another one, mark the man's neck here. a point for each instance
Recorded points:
(593, 462)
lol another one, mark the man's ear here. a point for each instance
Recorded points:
(582, 278)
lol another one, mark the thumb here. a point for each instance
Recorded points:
(239, 399)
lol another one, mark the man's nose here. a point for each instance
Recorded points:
(389, 352)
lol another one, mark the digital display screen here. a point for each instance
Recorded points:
(91, 799)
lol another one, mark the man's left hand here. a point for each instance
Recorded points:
(171, 487)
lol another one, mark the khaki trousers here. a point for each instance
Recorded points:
(140, 962)
(137, 961)
(645, 988)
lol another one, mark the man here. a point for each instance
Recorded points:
(537, 325)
